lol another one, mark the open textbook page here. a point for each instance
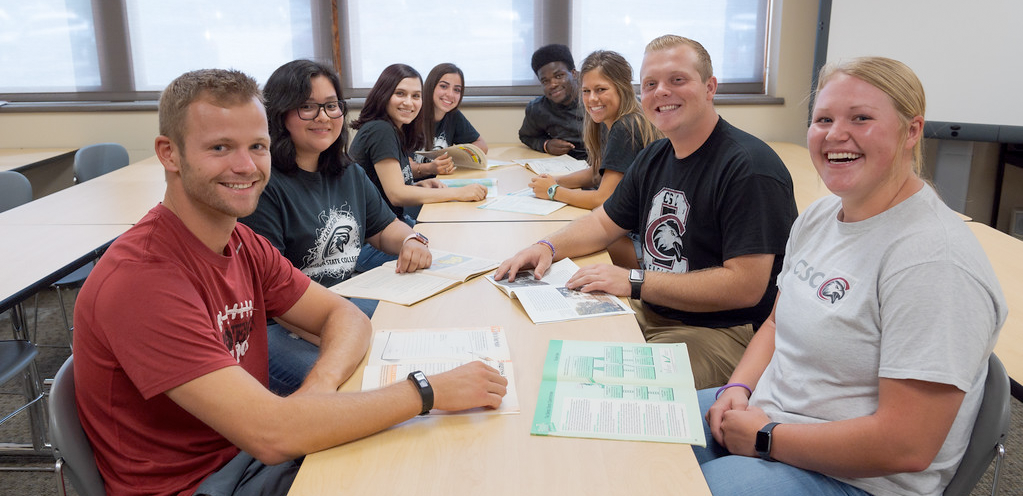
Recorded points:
(395, 354)
(548, 300)
(555, 166)
(625, 391)
(465, 155)
(522, 201)
(383, 283)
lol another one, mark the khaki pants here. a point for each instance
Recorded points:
(713, 352)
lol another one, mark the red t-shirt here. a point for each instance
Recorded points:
(160, 309)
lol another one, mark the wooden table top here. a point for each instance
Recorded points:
(495, 454)
(510, 178)
(37, 252)
(1006, 255)
(20, 158)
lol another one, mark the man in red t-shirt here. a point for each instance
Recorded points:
(170, 328)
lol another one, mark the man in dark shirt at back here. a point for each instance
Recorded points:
(554, 121)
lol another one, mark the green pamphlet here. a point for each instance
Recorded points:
(626, 391)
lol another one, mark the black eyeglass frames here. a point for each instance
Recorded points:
(309, 111)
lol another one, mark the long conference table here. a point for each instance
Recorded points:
(489, 453)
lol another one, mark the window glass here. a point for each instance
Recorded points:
(490, 41)
(732, 31)
(47, 45)
(254, 36)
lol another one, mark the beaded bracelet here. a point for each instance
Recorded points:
(549, 245)
(732, 384)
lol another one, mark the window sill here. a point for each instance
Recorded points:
(356, 103)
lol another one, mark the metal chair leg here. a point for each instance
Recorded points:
(999, 456)
(63, 313)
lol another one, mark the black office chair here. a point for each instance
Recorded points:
(989, 432)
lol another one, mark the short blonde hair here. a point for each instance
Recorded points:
(223, 87)
(896, 80)
(668, 41)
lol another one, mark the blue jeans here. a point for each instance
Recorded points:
(371, 258)
(736, 475)
(291, 357)
(245, 476)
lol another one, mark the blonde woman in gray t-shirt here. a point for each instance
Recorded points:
(868, 374)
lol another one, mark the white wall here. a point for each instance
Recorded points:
(795, 30)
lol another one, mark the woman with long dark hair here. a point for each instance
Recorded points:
(388, 134)
(319, 208)
(442, 124)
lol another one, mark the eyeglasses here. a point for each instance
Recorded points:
(310, 111)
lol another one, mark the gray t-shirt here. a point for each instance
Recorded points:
(907, 294)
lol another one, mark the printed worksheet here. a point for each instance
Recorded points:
(395, 354)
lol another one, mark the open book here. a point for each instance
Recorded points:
(465, 155)
(626, 391)
(395, 354)
(555, 166)
(548, 300)
(383, 283)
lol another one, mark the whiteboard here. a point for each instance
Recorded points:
(966, 54)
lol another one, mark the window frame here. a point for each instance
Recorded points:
(117, 88)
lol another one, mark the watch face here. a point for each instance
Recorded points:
(763, 442)
(421, 379)
(636, 275)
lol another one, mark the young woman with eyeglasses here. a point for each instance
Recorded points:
(319, 208)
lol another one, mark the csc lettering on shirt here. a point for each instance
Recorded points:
(828, 289)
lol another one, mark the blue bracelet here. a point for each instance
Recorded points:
(549, 245)
(732, 384)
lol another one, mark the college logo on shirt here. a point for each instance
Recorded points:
(831, 289)
(666, 223)
(235, 325)
(337, 246)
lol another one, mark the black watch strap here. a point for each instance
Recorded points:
(424, 388)
(764, 441)
(636, 277)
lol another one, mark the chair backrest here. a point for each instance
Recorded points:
(14, 190)
(70, 446)
(989, 430)
(95, 160)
